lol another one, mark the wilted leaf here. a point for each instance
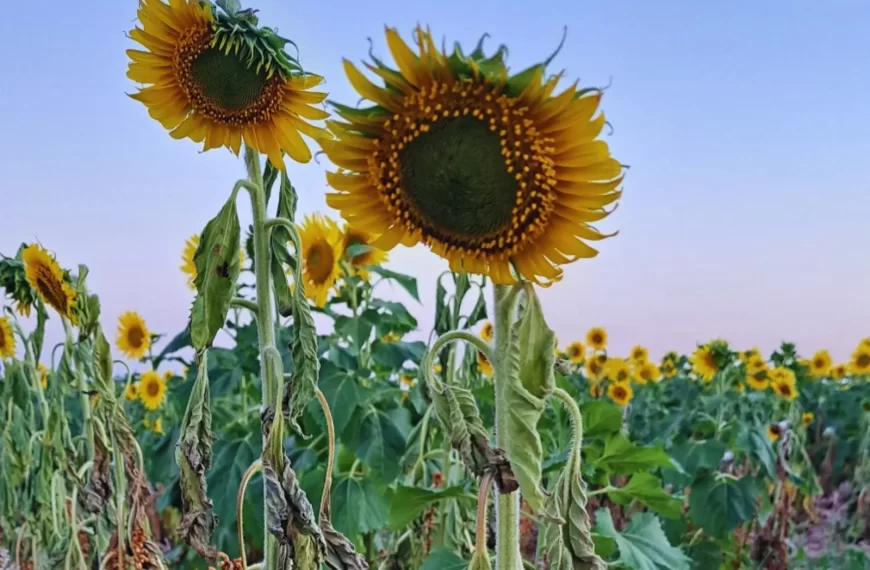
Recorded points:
(642, 545)
(340, 552)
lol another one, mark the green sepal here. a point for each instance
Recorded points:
(14, 281)
(351, 113)
(217, 271)
(517, 83)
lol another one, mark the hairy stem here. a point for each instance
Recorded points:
(87, 420)
(255, 468)
(330, 462)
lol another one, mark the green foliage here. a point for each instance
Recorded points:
(642, 545)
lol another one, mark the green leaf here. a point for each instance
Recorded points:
(623, 457)
(358, 329)
(180, 341)
(103, 361)
(377, 441)
(706, 555)
(647, 489)
(444, 559)
(270, 174)
(283, 296)
(600, 419)
(217, 270)
(358, 507)
(695, 456)
(357, 249)
(642, 545)
(407, 503)
(478, 313)
(407, 282)
(530, 380)
(719, 505)
(754, 440)
(442, 312)
(342, 393)
(303, 347)
(395, 354)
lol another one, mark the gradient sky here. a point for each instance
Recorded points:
(745, 212)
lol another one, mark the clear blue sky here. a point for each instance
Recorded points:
(745, 213)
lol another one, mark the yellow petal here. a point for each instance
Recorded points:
(347, 182)
(403, 56)
(390, 239)
(369, 90)
(292, 143)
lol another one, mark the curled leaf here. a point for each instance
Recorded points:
(340, 552)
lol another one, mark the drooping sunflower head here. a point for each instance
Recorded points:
(134, 338)
(749, 354)
(596, 338)
(218, 78)
(484, 365)
(820, 364)
(7, 339)
(773, 432)
(807, 418)
(576, 352)
(859, 364)
(321, 256)
(49, 281)
(131, 392)
(704, 363)
(13, 280)
(152, 389)
(617, 369)
(595, 367)
(491, 171)
(646, 373)
(639, 354)
(620, 392)
(358, 262)
(487, 332)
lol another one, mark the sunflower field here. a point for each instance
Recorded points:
(489, 444)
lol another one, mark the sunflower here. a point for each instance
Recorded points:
(46, 277)
(807, 418)
(860, 361)
(134, 338)
(758, 380)
(668, 369)
(321, 252)
(646, 373)
(487, 333)
(436, 368)
(704, 363)
(639, 354)
(576, 352)
(131, 392)
(820, 364)
(617, 369)
(157, 426)
(739, 387)
(352, 236)
(782, 380)
(865, 342)
(596, 338)
(773, 432)
(43, 375)
(490, 171)
(484, 365)
(596, 390)
(218, 79)
(7, 339)
(152, 389)
(839, 371)
(595, 366)
(620, 392)
(748, 355)
(189, 267)
(755, 364)
(407, 382)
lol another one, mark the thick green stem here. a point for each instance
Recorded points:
(87, 420)
(265, 322)
(507, 513)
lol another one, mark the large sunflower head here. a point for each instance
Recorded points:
(596, 338)
(134, 338)
(704, 363)
(219, 78)
(321, 256)
(576, 352)
(859, 364)
(820, 364)
(492, 171)
(49, 281)
(152, 389)
(7, 339)
(621, 393)
(351, 237)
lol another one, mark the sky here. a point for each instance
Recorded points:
(745, 211)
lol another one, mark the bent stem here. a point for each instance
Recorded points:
(507, 507)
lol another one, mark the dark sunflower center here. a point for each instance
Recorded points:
(135, 337)
(597, 339)
(785, 390)
(619, 393)
(863, 360)
(819, 363)
(710, 360)
(455, 177)
(320, 261)
(3, 340)
(153, 389)
(51, 291)
(227, 80)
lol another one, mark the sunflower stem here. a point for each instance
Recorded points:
(87, 421)
(265, 325)
(507, 513)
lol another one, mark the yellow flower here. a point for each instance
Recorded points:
(390, 337)
(189, 267)
(595, 366)
(865, 342)
(167, 375)
(134, 338)
(596, 338)
(755, 364)
(739, 387)
(704, 363)
(807, 418)
(758, 380)
(576, 352)
(217, 79)
(782, 380)
(860, 362)
(429, 163)
(839, 371)
(7, 339)
(358, 263)
(484, 365)
(43, 375)
(617, 370)
(487, 333)
(750, 354)
(321, 253)
(620, 392)
(46, 277)
(647, 372)
(773, 432)
(152, 390)
(131, 392)
(820, 364)
(669, 368)
(596, 390)
(436, 368)
(639, 354)
(157, 426)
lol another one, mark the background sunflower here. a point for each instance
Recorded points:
(596, 338)
(321, 253)
(133, 337)
(621, 393)
(152, 389)
(358, 262)
(7, 339)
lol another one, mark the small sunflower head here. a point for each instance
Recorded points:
(774, 431)
(807, 418)
(639, 354)
(859, 365)
(152, 389)
(484, 365)
(618, 370)
(646, 373)
(783, 382)
(747, 355)
(576, 352)
(7, 339)
(321, 256)
(131, 392)
(839, 371)
(51, 283)
(219, 78)
(492, 171)
(487, 332)
(705, 363)
(134, 338)
(620, 392)
(596, 338)
(820, 364)
(596, 390)
(595, 368)
(42, 370)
